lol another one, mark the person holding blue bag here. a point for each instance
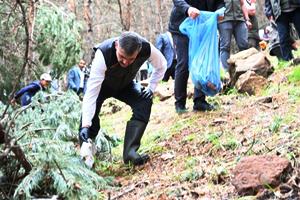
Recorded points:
(181, 10)
(204, 64)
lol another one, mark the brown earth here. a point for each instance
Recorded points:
(193, 154)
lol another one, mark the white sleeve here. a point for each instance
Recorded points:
(94, 83)
(159, 64)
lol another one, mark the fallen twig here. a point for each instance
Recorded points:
(126, 191)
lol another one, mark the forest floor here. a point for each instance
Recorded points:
(193, 154)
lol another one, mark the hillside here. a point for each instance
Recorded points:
(193, 154)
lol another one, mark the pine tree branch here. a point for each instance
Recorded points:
(22, 109)
(60, 171)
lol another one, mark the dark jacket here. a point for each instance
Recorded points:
(272, 8)
(28, 92)
(180, 8)
(117, 77)
(164, 45)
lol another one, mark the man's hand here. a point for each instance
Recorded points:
(193, 12)
(220, 17)
(249, 24)
(271, 18)
(84, 134)
(13, 101)
(146, 93)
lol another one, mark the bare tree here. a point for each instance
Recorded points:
(11, 143)
(125, 14)
(89, 33)
(158, 11)
(72, 6)
(30, 23)
(88, 15)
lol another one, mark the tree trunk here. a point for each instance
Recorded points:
(158, 20)
(144, 21)
(89, 33)
(2, 135)
(125, 14)
(88, 15)
(72, 6)
(31, 19)
(11, 145)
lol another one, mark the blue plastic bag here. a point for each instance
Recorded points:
(204, 64)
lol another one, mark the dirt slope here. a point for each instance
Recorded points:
(192, 154)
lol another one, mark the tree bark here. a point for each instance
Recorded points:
(26, 53)
(31, 19)
(144, 23)
(125, 14)
(72, 6)
(158, 20)
(11, 145)
(88, 15)
(2, 135)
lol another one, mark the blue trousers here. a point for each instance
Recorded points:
(226, 30)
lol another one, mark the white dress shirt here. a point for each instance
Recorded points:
(97, 76)
(81, 78)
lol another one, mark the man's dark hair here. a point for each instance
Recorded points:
(130, 42)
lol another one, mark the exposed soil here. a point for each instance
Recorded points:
(196, 152)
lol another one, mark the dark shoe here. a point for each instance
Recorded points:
(181, 110)
(203, 106)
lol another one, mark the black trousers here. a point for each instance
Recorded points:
(170, 72)
(181, 43)
(131, 95)
(144, 74)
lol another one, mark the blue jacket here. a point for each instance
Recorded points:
(28, 92)
(164, 44)
(74, 78)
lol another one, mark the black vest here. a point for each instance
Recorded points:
(117, 77)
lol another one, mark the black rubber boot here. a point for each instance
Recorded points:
(132, 141)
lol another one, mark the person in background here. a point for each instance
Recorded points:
(116, 63)
(253, 36)
(165, 44)
(86, 71)
(181, 10)
(76, 78)
(235, 22)
(143, 72)
(284, 12)
(27, 92)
